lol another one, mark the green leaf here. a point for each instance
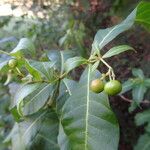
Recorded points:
(147, 82)
(15, 114)
(34, 72)
(70, 85)
(88, 121)
(48, 124)
(143, 16)
(138, 73)
(143, 143)
(63, 140)
(60, 58)
(144, 140)
(63, 39)
(3, 62)
(66, 89)
(95, 65)
(42, 69)
(147, 128)
(93, 76)
(22, 92)
(138, 93)
(133, 106)
(24, 47)
(142, 118)
(127, 86)
(74, 62)
(31, 101)
(14, 136)
(33, 132)
(36, 100)
(104, 36)
(60, 102)
(117, 50)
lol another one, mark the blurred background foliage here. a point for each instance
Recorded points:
(72, 24)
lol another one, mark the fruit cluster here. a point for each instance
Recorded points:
(113, 87)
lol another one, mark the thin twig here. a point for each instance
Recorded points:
(125, 99)
(130, 100)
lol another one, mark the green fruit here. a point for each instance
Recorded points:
(12, 63)
(113, 87)
(97, 86)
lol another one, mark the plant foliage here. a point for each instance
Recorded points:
(54, 112)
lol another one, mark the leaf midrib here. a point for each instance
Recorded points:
(67, 88)
(48, 140)
(107, 35)
(62, 63)
(37, 94)
(87, 109)
(45, 70)
(33, 123)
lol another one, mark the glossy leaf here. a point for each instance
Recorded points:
(22, 92)
(104, 36)
(48, 124)
(138, 73)
(143, 142)
(147, 128)
(31, 98)
(74, 62)
(35, 73)
(117, 50)
(127, 86)
(60, 58)
(95, 74)
(143, 12)
(70, 85)
(88, 120)
(32, 134)
(147, 82)
(42, 69)
(142, 118)
(133, 106)
(3, 62)
(24, 47)
(36, 100)
(138, 93)
(63, 39)
(67, 87)
(63, 140)
(14, 136)
(95, 65)
(60, 102)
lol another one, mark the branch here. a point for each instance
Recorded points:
(130, 100)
